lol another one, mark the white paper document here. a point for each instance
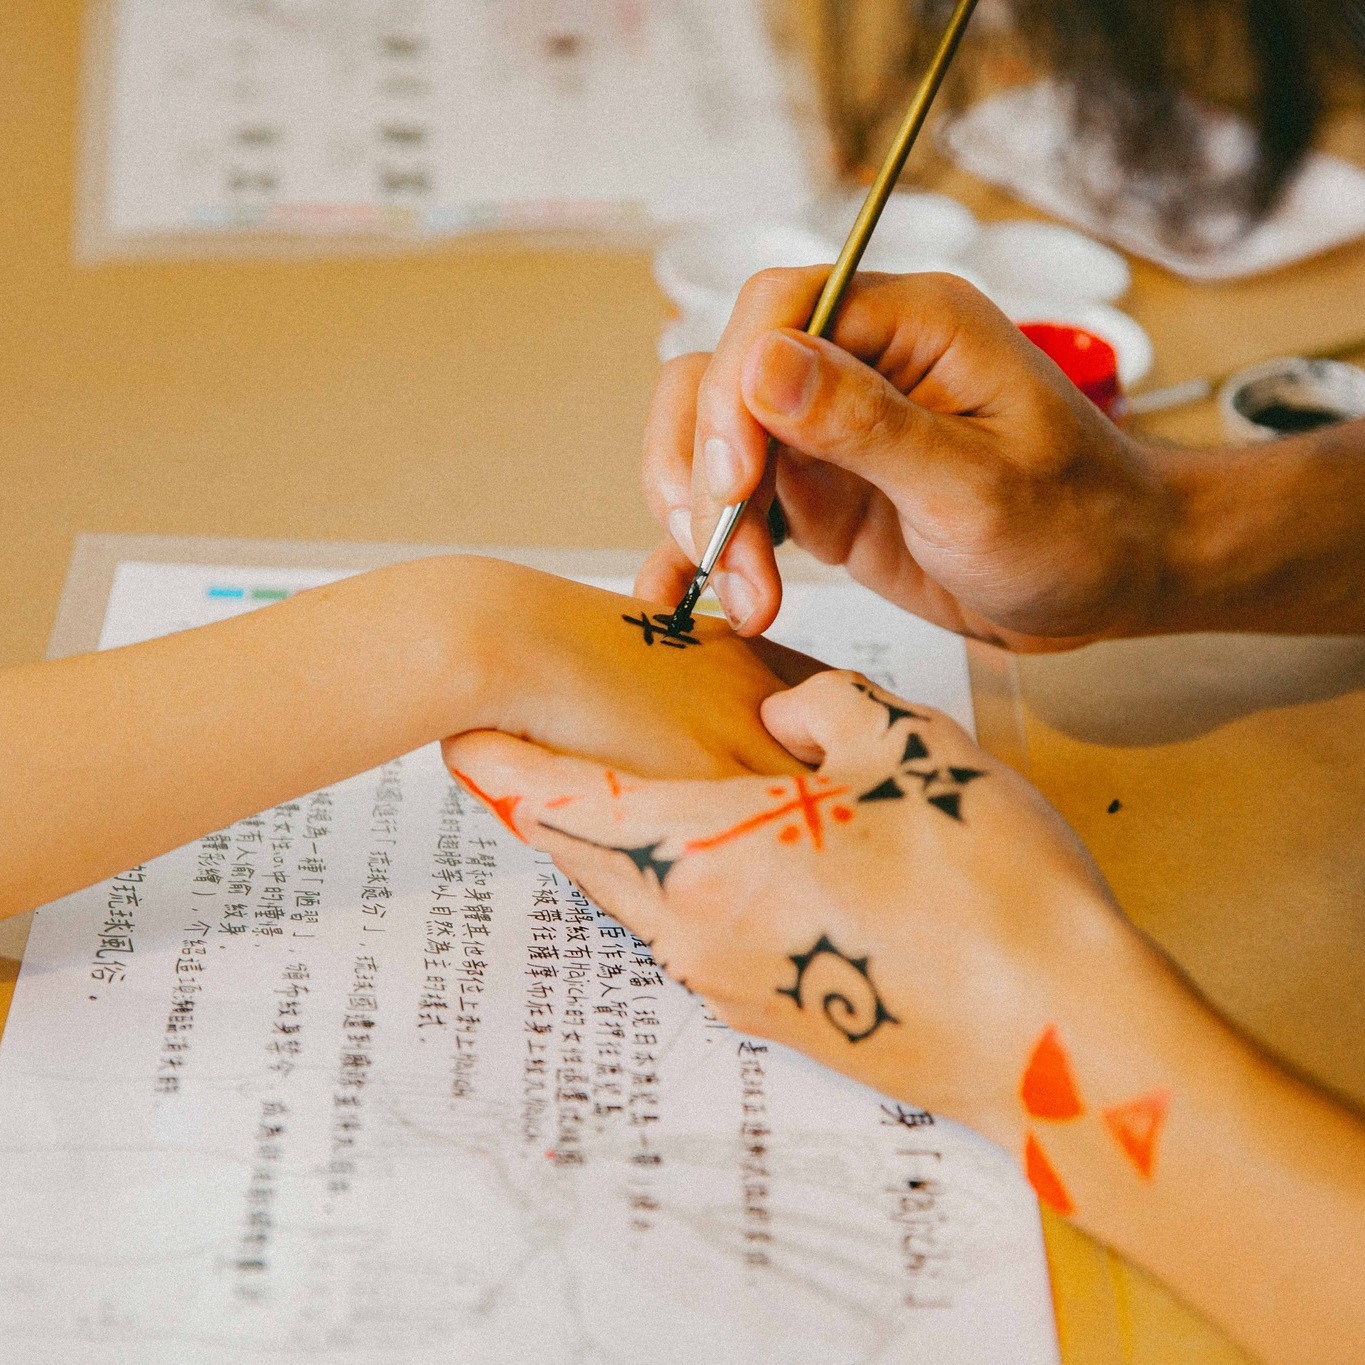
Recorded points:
(364, 1081)
(426, 117)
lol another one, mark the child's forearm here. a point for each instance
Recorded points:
(108, 759)
(1253, 1207)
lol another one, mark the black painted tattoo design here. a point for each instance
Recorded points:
(846, 995)
(894, 711)
(897, 1115)
(940, 787)
(665, 629)
(645, 857)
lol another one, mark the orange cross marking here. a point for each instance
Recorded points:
(501, 806)
(615, 787)
(805, 804)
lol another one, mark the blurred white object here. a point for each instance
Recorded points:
(699, 327)
(1023, 141)
(705, 269)
(1045, 259)
(1292, 383)
(1034, 272)
(913, 227)
(408, 119)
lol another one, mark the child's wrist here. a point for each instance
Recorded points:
(463, 646)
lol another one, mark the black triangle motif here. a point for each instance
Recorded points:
(914, 749)
(883, 791)
(965, 775)
(950, 804)
(644, 859)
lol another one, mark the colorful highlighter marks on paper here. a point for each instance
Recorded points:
(243, 594)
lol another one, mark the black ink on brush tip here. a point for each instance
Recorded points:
(673, 631)
(645, 857)
(843, 987)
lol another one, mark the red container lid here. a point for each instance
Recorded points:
(1087, 361)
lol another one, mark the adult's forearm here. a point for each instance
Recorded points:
(109, 759)
(1267, 537)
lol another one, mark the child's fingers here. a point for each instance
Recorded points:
(516, 780)
(838, 716)
(602, 827)
(625, 880)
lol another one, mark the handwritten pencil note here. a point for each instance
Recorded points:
(427, 117)
(361, 1080)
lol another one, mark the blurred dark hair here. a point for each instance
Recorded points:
(1133, 64)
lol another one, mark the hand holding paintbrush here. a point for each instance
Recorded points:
(845, 267)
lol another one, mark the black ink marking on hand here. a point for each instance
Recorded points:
(898, 1115)
(942, 787)
(847, 996)
(645, 857)
(894, 711)
(667, 630)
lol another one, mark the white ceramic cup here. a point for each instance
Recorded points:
(1044, 260)
(1294, 383)
(704, 270)
(914, 226)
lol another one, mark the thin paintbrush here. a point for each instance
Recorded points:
(844, 269)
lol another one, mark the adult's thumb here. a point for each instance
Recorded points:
(824, 403)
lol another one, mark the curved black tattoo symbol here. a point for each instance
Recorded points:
(665, 629)
(645, 857)
(847, 996)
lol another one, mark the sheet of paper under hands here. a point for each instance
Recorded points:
(363, 1081)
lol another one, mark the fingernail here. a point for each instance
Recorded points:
(680, 528)
(722, 469)
(786, 374)
(736, 596)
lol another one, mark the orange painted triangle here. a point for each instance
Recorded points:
(1047, 1184)
(1137, 1125)
(501, 806)
(1047, 1089)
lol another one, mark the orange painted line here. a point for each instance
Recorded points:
(810, 811)
(805, 802)
(501, 806)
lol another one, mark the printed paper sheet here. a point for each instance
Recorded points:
(427, 117)
(363, 1081)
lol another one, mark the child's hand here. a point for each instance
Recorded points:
(912, 913)
(570, 671)
(928, 447)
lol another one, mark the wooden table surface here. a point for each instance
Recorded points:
(487, 395)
